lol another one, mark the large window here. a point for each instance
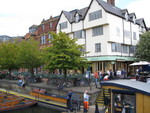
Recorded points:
(79, 34)
(125, 49)
(98, 47)
(50, 37)
(95, 15)
(43, 39)
(132, 49)
(115, 47)
(97, 31)
(63, 25)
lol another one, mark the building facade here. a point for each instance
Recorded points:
(108, 33)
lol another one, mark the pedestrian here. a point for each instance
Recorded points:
(111, 74)
(69, 95)
(96, 78)
(23, 83)
(86, 101)
(20, 82)
(118, 73)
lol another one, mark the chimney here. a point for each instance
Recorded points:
(112, 2)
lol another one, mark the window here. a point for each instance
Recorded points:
(127, 33)
(117, 31)
(63, 25)
(77, 18)
(97, 31)
(98, 47)
(50, 37)
(79, 34)
(125, 98)
(134, 36)
(115, 47)
(126, 16)
(43, 27)
(95, 15)
(43, 39)
(132, 49)
(134, 20)
(50, 24)
(125, 49)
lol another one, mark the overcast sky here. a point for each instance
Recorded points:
(16, 16)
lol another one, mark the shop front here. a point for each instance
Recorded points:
(110, 62)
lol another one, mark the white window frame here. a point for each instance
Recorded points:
(97, 47)
(50, 37)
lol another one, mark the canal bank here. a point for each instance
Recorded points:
(12, 87)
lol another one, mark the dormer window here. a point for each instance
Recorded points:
(77, 18)
(126, 16)
(134, 21)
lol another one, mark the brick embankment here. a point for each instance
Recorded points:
(92, 91)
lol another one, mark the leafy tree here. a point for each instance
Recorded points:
(64, 54)
(30, 56)
(8, 56)
(143, 47)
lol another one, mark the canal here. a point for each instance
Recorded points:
(33, 109)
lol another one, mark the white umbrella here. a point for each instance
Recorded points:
(140, 63)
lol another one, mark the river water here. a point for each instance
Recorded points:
(33, 109)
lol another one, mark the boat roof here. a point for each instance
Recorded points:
(135, 86)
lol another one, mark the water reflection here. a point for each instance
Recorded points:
(34, 109)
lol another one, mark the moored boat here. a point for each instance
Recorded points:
(12, 102)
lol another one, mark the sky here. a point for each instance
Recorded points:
(16, 16)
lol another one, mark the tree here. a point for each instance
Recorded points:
(8, 56)
(143, 47)
(29, 56)
(64, 54)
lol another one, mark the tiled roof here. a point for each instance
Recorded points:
(70, 15)
(106, 6)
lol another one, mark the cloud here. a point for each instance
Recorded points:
(141, 9)
(16, 16)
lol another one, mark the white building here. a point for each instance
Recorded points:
(108, 33)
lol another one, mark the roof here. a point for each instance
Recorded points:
(106, 6)
(70, 15)
(135, 86)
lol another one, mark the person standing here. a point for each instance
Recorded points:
(96, 78)
(86, 101)
(118, 73)
(69, 95)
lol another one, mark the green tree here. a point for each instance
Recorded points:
(143, 47)
(64, 54)
(8, 56)
(30, 56)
